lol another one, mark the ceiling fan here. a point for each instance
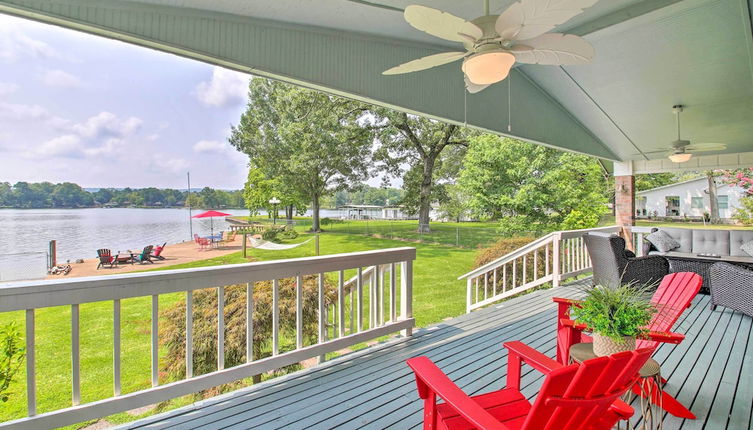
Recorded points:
(493, 43)
(682, 150)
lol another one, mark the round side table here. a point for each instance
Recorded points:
(650, 385)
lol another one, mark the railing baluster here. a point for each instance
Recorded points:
(299, 311)
(486, 285)
(31, 377)
(249, 322)
(393, 298)
(477, 289)
(189, 334)
(381, 294)
(525, 269)
(340, 304)
(275, 317)
(406, 294)
(322, 314)
(536, 264)
(220, 328)
(546, 260)
(359, 305)
(75, 355)
(352, 310)
(116, 347)
(514, 273)
(155, 340)
(494, 284)
(504, 278)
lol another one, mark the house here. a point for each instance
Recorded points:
(651, 55)
(687, 199)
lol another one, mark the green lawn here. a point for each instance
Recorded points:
(437, 295)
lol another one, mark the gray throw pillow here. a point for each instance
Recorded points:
(662, 241)
(747, 248)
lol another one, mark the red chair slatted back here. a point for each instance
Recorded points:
(577, 396)
(674, 295)
(104, 255)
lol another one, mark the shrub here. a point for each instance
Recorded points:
(500, 248)
(270, 234)
(205, 324)
(615, 312)
(11, 356)
(580, 219)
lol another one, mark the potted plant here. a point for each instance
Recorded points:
(615, 316)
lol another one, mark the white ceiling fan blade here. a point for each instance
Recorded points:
(441, 24)
(471, 87)
(554, 49)
(424, 63)
(527, 19)
(701, 147)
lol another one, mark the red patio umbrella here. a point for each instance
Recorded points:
(210, 215)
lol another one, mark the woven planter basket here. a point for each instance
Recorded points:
(604, 345)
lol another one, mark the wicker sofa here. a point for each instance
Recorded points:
(686, 258)
(731, 287)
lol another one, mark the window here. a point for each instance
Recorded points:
(696, 202)
(722, 202)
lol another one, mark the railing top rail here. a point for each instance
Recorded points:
(39, 294)
(564, 234)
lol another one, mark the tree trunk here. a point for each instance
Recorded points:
(289, 214)
(713, 203)
(424, 198)
(315, 212)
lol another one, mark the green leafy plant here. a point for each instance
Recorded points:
(287, 234)
(11, 356)
(270, 234)
(615, 312)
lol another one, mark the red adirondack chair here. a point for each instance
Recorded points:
(575, 397)
(674, 295)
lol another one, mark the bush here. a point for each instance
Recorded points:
(11, 356)
(173, 331)
(744, 213)
(287, 234)
(270, 234)
(579, 219)
(500, 248)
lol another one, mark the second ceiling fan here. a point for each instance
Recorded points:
(494, 43)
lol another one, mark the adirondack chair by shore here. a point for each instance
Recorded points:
(106, 258)
(145, 255)
(574, 397)
(157, 253)
(674, 295)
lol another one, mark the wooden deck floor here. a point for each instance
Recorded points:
(712, 370)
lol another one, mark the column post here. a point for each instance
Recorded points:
(624, 200)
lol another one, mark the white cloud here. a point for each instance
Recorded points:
(163, 164)
(22, 112)
(107, 124)
(210, 147)
(152, 137)
(14, 44)
(226, 88)
(7, 88)
(60, 79)
(66, 146)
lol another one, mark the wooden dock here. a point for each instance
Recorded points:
(711, 372)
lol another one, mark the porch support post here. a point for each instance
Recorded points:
(624, 200)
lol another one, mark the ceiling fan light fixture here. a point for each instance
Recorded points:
(488, 67)
(680, 157)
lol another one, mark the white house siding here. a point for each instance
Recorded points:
(655, 199)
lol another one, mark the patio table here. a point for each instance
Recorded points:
(650, 385)
(124, 257)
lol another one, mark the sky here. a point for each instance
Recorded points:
(102, 113)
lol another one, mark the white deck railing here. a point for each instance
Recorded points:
(551, 258)
(383, 318)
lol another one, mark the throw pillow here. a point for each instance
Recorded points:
(662, 241)
(748, 248)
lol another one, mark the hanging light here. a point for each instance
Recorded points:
(680, 157)
(488, 67)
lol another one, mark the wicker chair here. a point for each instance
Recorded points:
(731, 287)
(613, 264)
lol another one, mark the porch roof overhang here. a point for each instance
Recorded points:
(650, 55)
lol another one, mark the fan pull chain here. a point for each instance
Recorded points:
(509, 103)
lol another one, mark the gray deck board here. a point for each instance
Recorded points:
(711, 372)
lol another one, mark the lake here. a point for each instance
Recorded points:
(80, 232)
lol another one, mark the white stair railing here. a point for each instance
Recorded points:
(380, 319)
(549, 259)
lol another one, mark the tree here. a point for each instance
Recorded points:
(310, 141)
(652, 180)
(418, 143)
(530, 187)
(456, 206)
(259, 190)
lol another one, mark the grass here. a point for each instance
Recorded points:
(437, 295)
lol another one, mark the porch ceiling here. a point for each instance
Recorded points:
(651, 54)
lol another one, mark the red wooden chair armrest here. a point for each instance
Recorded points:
(663, 336)
(566, 301)
(564, 322)
(431, 379)
(622, 409)
(519, 353)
